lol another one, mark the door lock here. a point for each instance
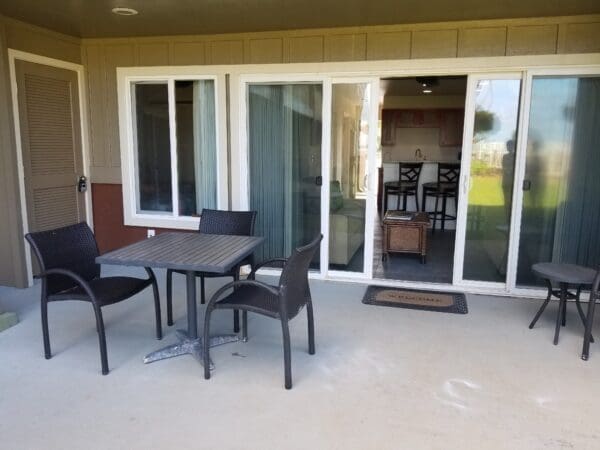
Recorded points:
(82, 184)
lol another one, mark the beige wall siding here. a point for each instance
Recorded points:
(443, 40)
(32, 39)
(489, 41)
(579, 38)
(532, 40)
(12, 267)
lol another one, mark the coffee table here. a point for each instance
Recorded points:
(405, 233)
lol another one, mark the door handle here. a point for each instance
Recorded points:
(82, 184)
(319, 180)
(526, 185)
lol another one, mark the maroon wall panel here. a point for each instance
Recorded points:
(111, 233)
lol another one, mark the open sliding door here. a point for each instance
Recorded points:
(487, 180)
(351, 172)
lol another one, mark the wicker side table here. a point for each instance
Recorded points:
(402, 235)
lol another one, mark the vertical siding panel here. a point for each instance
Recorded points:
(116, 55)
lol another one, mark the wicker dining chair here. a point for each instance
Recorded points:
(214, 221)
(282, 302)
(66, 257)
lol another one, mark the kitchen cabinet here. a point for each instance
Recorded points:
(448, 121)
(451, 127)
(388, 127)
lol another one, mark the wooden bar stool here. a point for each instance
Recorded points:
(407, 185)
(444, 188)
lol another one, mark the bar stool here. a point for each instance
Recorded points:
(564, 275)
(445, 187)
(407, 185)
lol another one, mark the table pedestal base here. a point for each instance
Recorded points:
(189, 346)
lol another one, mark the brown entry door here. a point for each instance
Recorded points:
(50, 125)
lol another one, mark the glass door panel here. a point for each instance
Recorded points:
(284, 156)
(491, 178)
(349, 167)
(560, 218)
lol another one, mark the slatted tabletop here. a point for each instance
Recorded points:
(185, 251)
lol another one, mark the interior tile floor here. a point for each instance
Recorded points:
(382, 378)
(408, 267)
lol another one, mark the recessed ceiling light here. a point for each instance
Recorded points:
(427, 91)
(124, 11)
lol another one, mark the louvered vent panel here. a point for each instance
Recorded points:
(55, 207)
(50, 125)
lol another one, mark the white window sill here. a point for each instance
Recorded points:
(162, 221)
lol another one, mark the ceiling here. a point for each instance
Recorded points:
(93, 18)
(400, 87)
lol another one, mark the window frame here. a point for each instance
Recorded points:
(127, 78)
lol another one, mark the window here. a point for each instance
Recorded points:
(170, 170)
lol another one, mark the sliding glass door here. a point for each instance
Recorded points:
(485, 210)
(560, 213)
(351, 159)
(311, 149)
(284, 162)
(529, 188)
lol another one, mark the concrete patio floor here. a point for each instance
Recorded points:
(382, 378)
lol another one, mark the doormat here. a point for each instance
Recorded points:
(449, 302)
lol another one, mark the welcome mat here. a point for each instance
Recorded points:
(449, 302)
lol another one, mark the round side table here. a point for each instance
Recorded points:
(564, 275)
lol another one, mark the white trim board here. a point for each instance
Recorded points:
(14, 55)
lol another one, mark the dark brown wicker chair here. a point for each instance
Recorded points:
(69, 272)
(281, 302)
(213, 221)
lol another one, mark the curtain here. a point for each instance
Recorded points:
(579, 234)
(284, 145)
(266, 147)
(205, 145)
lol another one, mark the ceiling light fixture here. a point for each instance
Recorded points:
(427, 91)
(124, 11)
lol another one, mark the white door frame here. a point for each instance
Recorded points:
(371, 203)
(13, 56)
(465, 179)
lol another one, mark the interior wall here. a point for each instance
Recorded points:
(19, 36)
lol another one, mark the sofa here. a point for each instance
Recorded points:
(346, 224)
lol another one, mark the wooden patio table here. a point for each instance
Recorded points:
(190, 252)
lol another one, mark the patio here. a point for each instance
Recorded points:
(382, 378)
